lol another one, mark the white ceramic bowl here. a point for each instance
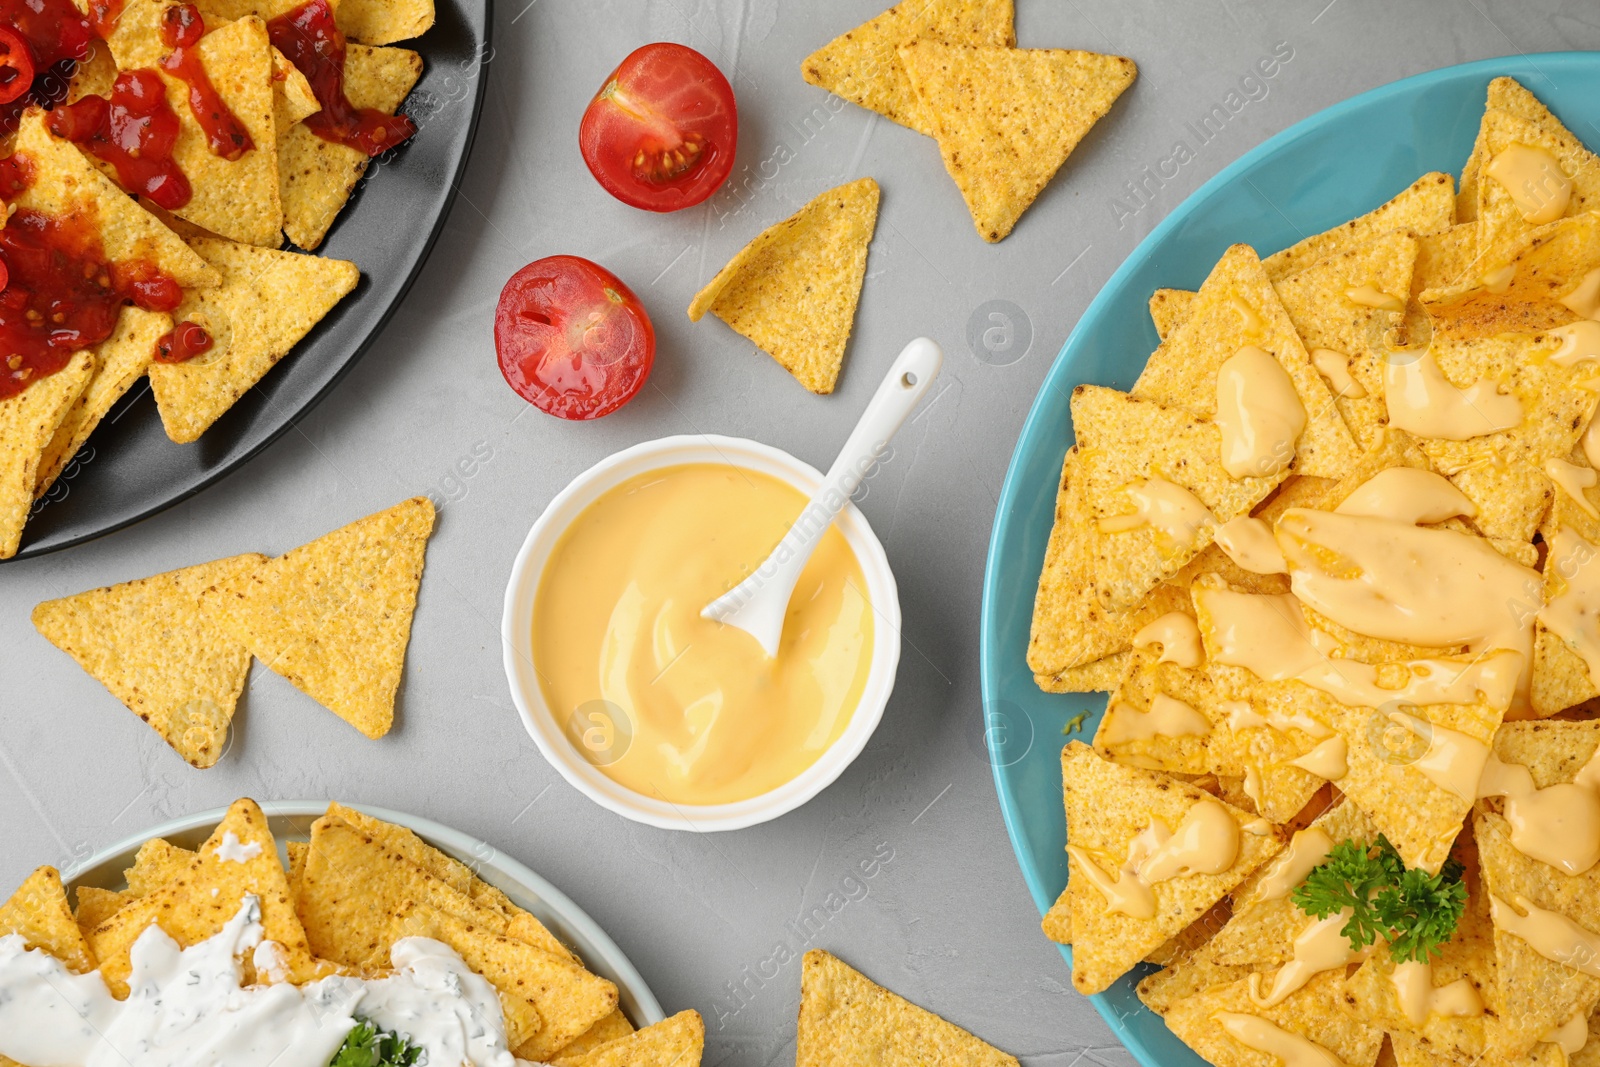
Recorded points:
(517, 635)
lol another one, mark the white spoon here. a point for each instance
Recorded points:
(758, 604)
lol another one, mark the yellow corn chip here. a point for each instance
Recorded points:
(1169, 308)
(1008, 118)
(1500, 223)
(267, 302)
(189, 911)
(1426, 207)
(607, 1030)
(1444, 257)
(1560, 674)
(1147, 681)
(235, 198)
(95, 906)
(292, 98)
(316, 177)
(158, 862)
(77, 190)
(298, 852)
(1183, 370)
(846, 1020)
(334, 616)
(862, 66)
(1192, 939)
(1107, 806)
(518, 972)
(675, 1042)
(94, 75)
(120, 360)
(148, 643)
(1184, 979)
(28, 423)
(1057, 922)
(38, 911)
(1314, 1013)
(794, 289)
(376, 22)
(1505, 94)
(1545, 264)
(230, 10)
(1096, 676)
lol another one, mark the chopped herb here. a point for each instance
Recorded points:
(1074, 724)
(1414, 911)
(367, 1046)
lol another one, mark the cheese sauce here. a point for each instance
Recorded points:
(665, 702)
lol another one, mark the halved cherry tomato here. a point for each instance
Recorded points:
(16, 66)
(572, 340)
(662, 131)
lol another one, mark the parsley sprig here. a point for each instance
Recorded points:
(1414, 911)
(367, 1046)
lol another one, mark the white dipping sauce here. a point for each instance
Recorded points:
(186, 1007)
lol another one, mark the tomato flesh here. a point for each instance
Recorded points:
(662, 132)
(572, 340)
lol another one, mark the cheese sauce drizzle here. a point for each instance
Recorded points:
(1259, 414)
(1205, 842)
(1335, 367)
(1549, 933)
(1176, 515)
(1179, 637)
(1249, 543)
(1533, 178)
(1559, 824)
(1421, 400)
(1167, 717)
(1259, 1034)
(1420, 998)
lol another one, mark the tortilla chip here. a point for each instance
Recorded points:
(1007, 118)
(375, 22)
(675, 1042)
(846, 1019)
(79, 191)
(1500, 223)
(1097, 676)
(292, 97)
(158, 862)
(1427, 206)
(1137, 691)
(147, 642)
(230, 10)
(267, 302)
(235, 198)
(1057, 922)
(607, 1030)
(334, 616)
(189, 911)
(1181, 980)
(1560, 675)
(862, 65)
(793, 290)
(1314, 1012)
(1183, 370)
(1444, 257)
(316, 177)
(1505, 94)
(1124, 439)
(28, 423)
(1107, 806)
(120, 360)
(1535, 994)
(1170, 308)
(1547, 263)
(1325, 317)
(94, 75)
(38, 911)
(95, 906)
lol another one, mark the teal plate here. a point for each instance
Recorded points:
(1333, 166)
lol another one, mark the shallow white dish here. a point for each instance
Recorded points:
(290, 820)
(517, 634)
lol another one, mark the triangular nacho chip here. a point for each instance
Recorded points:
(240, 858)
(1170, 308)
(793, 290)
(1543, 266)
(316, 177)
(1500, 222)
(1427, 206)
(1108, 805)
(846, 1019)
(267, 302)
(120, 360)
(28, 423)
(157, 862)
(607, 1030)
(1148, 681)
(1181, 980)
(675, 1042)
(1008, 118)
(77, 190)
(38, 911)
(1237, 306)
(148, 643)
(95, 906)
(292, 97)
(862, 66)
(236, 198)
(1505, 94)
(1561, 676)
(376, 22)
(1315, 1013)
(1096, 676)
(334, 616)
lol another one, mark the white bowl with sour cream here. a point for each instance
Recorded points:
(543, 725)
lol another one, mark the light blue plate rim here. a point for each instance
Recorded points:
(1002, 661)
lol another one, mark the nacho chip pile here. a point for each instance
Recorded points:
(1005, 118)
(254, 156)
(1333, 558)
(358, 886)
(332, 616)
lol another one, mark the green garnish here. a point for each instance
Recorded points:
(1414, 911)
(1074, 724)
(367, 1046)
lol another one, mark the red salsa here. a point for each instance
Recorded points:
(56, 36)
(103, 16)
(135, 131)
(181, 30)
(312, 42)
(61, 294)
(182, 343)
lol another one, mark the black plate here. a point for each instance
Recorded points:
(129, 470)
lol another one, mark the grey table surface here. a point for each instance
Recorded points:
(946, 921)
